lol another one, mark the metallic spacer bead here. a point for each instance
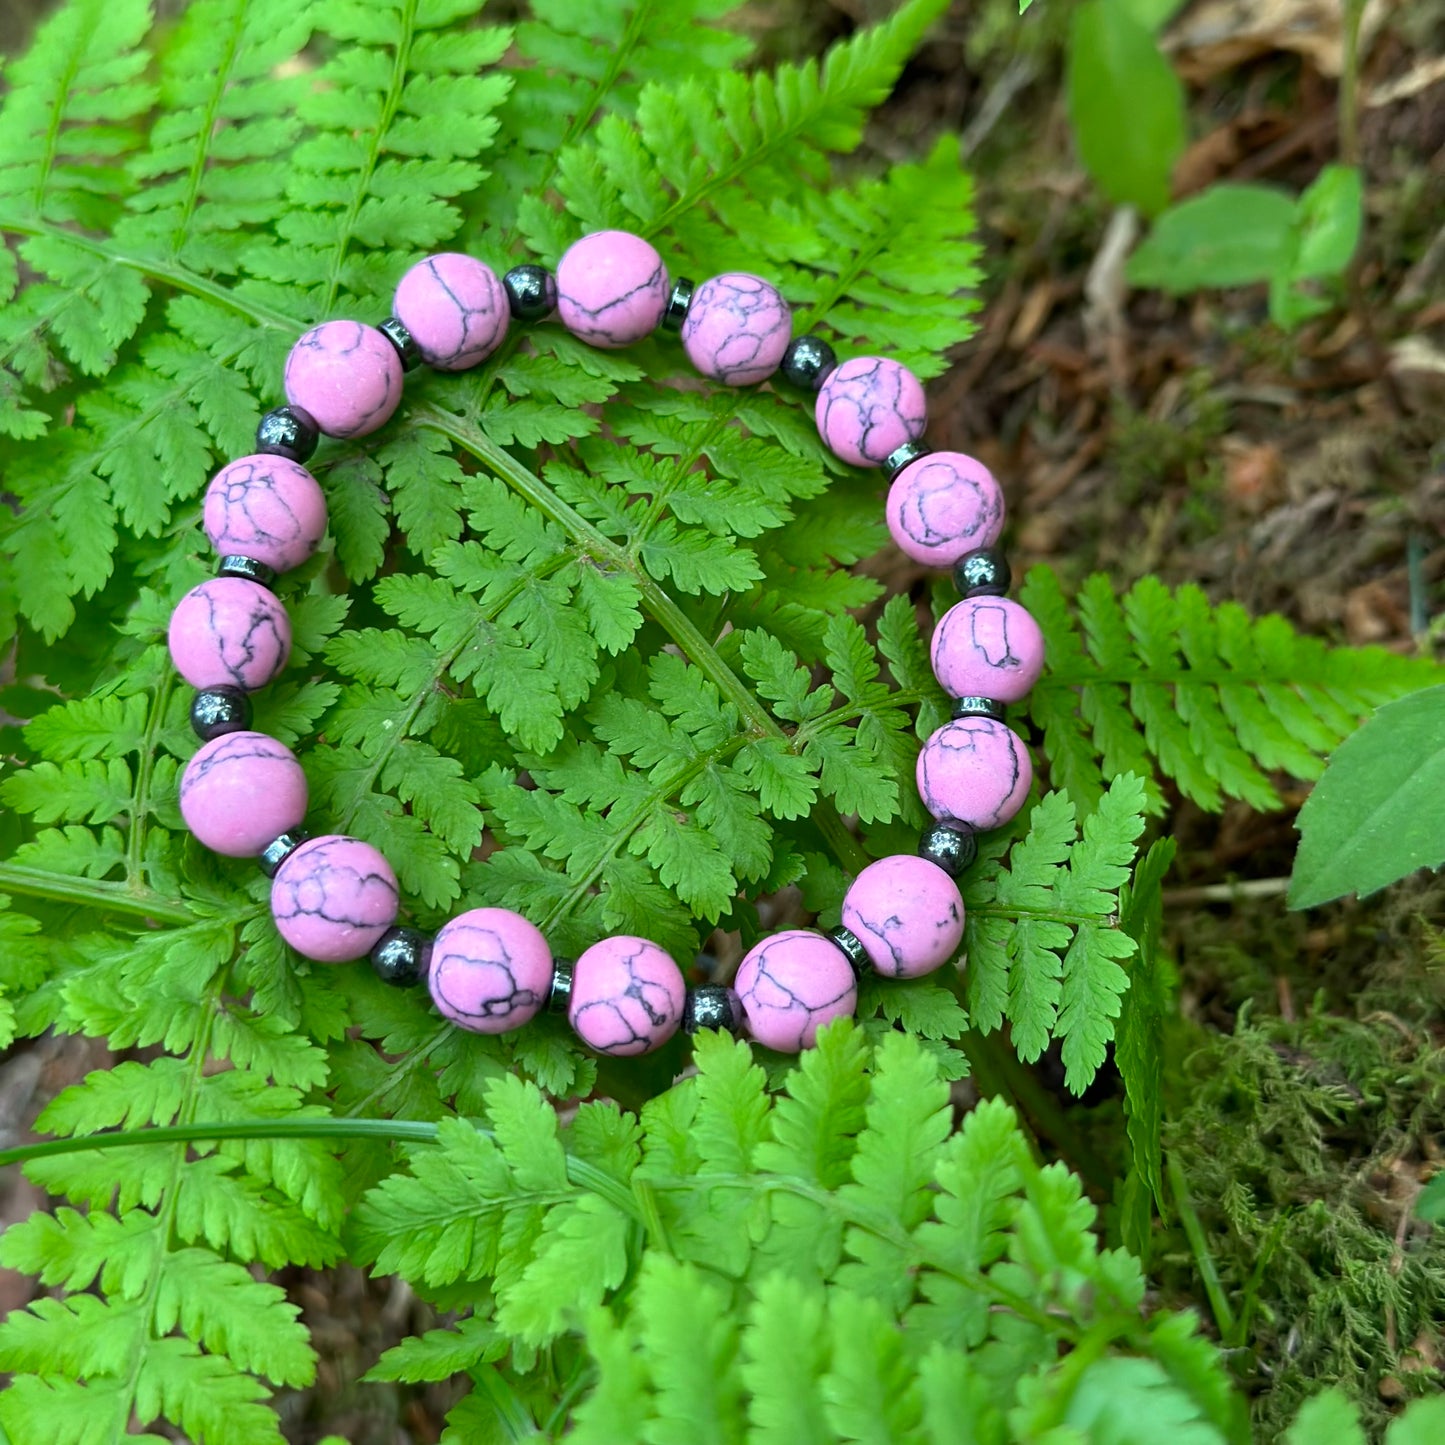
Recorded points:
(531, 292)
(905, 456)
(216, 711)
(808, 362)
(852, 946)
(984, 573)
(400, 956)
(288, 432)
(249, 568)
(677, 304)
(278, 850)
(561, 991)
(977, 707)
(951, 845)
(400, 338)
(712, 1006)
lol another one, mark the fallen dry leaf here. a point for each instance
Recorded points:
(1213, 36)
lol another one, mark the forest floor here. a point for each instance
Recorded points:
(1300, 473)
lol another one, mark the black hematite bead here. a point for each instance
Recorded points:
(905, 456)
(400, 956)
(951, 845)
(247, 567)
(278, 850)
(561, 990)
(400, 338)
(977, 707)
(712, 1006)
(677, 304)
(984, 573)
(531, 292)
(288, 432)
(216, 711)
(807, 362)
(852, 945)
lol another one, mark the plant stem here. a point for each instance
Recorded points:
(1204, 1261)
(116, 897)
(1350, 84)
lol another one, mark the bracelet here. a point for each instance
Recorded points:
(490, 970)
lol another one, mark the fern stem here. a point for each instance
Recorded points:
(399, 1131)
(113, 897)
(145, 765)
(663, 609)
(1199, 1245)
(512, 1414)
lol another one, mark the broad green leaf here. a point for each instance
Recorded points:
(1329, 1416)
(1126, 105)
(1231, 235)
(1431, 1203)
(1371, 820)
(1328, 218)
(1423, 1423)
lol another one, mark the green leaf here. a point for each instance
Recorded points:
(1126, 105)
(1362, 826)
(1331, 1416)
(1430, 1205)
(1421, 1423)
(1229, 235)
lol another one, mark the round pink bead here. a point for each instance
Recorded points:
(737, 328)
(267, 508)
(987, 647)
(791, 985)
(868, 407)
(333, 898)
(626, 997)
(229, 632)
(455, 308)
(943, 505)
(491, 970)
(346, 375)
(976, 771)
(241, 792)
(612, 288)
(908, 914)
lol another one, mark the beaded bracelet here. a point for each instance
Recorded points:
(490, 970)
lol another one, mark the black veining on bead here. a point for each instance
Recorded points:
(794, 1002)
(677, 304)
(942, 504)
(985, 573)
(259, 640)
(400, 956)
(327, 339)
(479, 947)
(897, 940)
(978, 707)
(808, 362)
(650, 996)
(290, 432)
(329, 886)
(531, 292)
(238, 747)
(596, 323)
(993, 749)
(735, 329)
(867, 396)
(853, 948)
(560, 994)
(247, 505)
(235, 565)
(903, 457)
(950, 845)
(402, 343)
(712, 1006)
(216, 711)
(278, 850)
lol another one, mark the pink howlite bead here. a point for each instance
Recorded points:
(229, 632)
(943, 505)
(491, 970)
(333, 898)
(908, 914)
(627, 996)
(868, 407)
(612, 288)
(346, 375)
(791, 985)
(455, 309)
(241, 792)
(987, 647)
(976, 771)
(737, 328)
(267, 508)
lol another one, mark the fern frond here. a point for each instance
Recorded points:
(1159, 682)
